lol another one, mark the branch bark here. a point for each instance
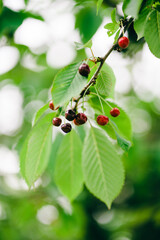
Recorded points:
(102, 61)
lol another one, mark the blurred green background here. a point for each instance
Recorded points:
(36, 40)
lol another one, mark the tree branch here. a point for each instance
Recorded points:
(102, 61)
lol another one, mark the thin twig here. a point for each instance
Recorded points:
(100, 101)
(106, 102)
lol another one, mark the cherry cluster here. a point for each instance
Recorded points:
(80, 118)
(70, 115)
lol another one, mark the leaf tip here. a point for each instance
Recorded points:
(109, 206)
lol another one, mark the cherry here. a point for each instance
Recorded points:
(75, 122)
(80, 119)
(115, 112)
(84, 69)
(51, 105)
(66, 127)
(70, 115)
(56, 121)
(123, 42)
(102, 120)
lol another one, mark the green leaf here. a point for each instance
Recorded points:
(113, 15)
(11, 20)
(68, 170)
(152, 32)
(112, 27)
(88, 44)
(122, 122)
(141, 20)
(110, 78)
(132, 7)
(81, 131)
(123, 143)
(102, 168)
(26, 2)
(68, 83)
(105, 82)
(99, 3)
(1, 6)
(55, 147)
(35, 152)
(118, 127)
(156, 6)
(80, 46)
(87, 22)
(139, 24)
(116, 36)
(40, 113)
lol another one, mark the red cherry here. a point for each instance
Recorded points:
(51, 105)
(56, 122)
(123, 42)
(115, 112)
(80, 119)
(102, 120)
(84, 70)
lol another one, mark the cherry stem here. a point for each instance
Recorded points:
(113, 125)
(102, 61)
(81, 103)
(100, 101)
(121, 24)
(94, 66)
(90, 123)
(106, 102)
(63, 109)
(92, 54)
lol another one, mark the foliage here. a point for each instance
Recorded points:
(91, 159)
(11, 20)
(99, 3)
(114, 26)
(87, 22)
(80, 46)
(103, 170)
(68, 169)
(68, 84)
(130, 7)
(153, 37)
(36, 150)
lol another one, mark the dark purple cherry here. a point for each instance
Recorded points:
(84, 69)
(66, 127)
(70, 115)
